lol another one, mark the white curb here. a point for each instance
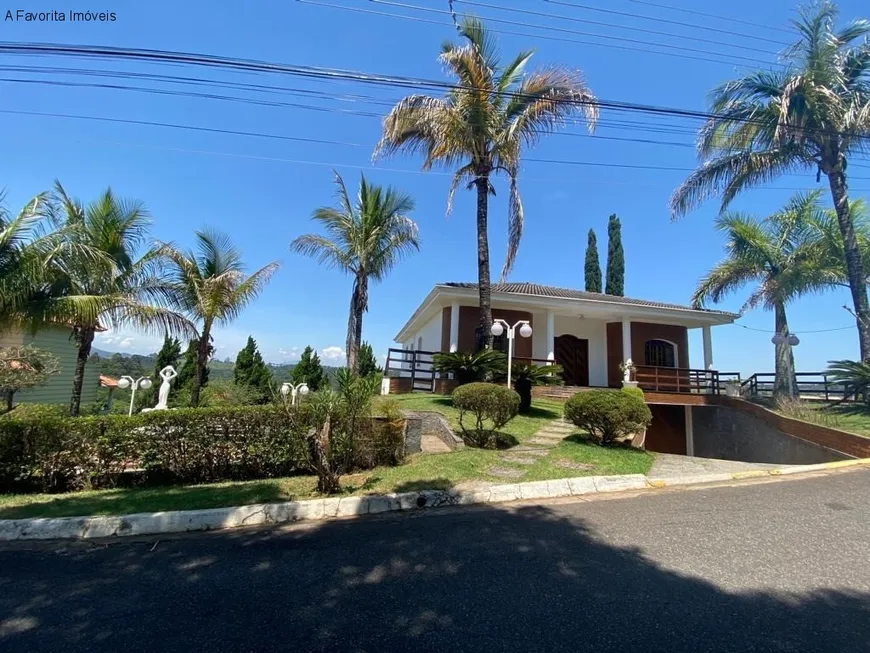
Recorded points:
(317, 509)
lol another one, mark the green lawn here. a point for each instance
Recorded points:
(572, 457)
(854, 418)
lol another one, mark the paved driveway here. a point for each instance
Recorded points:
(775, 566)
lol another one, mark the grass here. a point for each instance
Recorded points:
(851, 417)
(574, 456)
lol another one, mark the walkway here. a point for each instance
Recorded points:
(511, 462)
(668, 465)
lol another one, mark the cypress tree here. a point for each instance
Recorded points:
(250, 370)
(367, 363)
(615, 259)
(309, 370)
(593, 267)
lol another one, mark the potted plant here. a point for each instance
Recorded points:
(733, 388)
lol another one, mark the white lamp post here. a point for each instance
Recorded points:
(294, 391)
(127, 382)
(499, 327)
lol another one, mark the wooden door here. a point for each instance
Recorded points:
(572, 353)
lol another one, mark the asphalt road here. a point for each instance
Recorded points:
(777, 566)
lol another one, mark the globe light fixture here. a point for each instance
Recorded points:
(793, 340)
(778, 339)
(499, 327)
(295, 391)
(128, 382)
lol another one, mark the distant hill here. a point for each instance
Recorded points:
(116, 364)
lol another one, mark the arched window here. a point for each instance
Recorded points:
(660, 353)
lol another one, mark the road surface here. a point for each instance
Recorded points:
(773, 566)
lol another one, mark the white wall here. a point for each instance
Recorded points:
(431, 334)
(595, 331)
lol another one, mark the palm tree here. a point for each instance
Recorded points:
(95, 276)
(210, 286)
(812, 115)
(20, 240)
(365, 239)
(482, 125)
(785, 256)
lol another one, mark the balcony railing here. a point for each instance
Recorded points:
(683, 379)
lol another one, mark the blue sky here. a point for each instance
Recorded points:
(256, 190)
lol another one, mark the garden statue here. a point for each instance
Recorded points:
(167, 374)
(627, 369)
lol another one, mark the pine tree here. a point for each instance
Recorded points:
(593, 267)
(368, 364)
(615, 259)
(309, 370)
(250, 370)
(188, 368)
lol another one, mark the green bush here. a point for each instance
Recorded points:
(384, 443)
(491, 405)
(36, 411)
(608, 415)
(634, 392)
(183, 445)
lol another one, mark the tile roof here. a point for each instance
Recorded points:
(537, 290)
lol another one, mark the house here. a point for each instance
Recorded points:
(58, 390)
(589, 334)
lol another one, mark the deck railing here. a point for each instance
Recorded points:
(810, 385)
(415, 364)
(683, 379)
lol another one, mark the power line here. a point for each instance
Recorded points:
(768, 331)
(314, 72)
(665, 20)
(713, 16)
(585, 21)
(564, 30)
(548, 37)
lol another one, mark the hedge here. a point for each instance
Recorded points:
(608, 415)
(164, 447)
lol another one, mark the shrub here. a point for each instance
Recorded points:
(36, 411)
(186, 445)
(228, 393)
(384, 443)
(487, 402)
(607, 415)
(634, 392)
(468, 368)
(526, 375)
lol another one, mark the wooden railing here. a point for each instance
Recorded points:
(810, 385)
(533, 361)
(415, 364)
(683, 379)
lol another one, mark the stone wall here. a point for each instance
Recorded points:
(729, 434)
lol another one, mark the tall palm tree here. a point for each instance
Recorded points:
(99, 272)
(812, 115)
(785, 256)
(481, 127)
(210, 286)
(365, 239)
(20, 241)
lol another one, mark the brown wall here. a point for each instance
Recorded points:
(667, 432)
(640, 333)
(445, 328)
(469, 319)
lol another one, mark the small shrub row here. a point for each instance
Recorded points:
(182, 445)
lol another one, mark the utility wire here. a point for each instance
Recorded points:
(665, 20)
(768, 331)
(564, 30)
(713, 16)
(314, 72)
(574, 19)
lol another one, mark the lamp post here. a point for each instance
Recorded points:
(128, 382)
(294, 391)
(499, 327)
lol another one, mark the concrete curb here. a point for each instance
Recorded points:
(318, 509)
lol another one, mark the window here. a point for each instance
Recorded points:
(659, 353)
(499, 343)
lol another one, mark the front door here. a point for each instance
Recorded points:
(572, 353)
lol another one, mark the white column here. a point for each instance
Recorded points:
(454, 326)
(708, 348)
(690, 432)
(551, 336)
(626, 339)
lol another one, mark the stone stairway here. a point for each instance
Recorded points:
(529, 452)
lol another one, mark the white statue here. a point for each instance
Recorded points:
(626, 370)
(167, 374)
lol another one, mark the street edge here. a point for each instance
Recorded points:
(183, 521)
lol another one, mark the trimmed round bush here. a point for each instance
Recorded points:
(492, 406)
(608, 415)
(634, 392)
